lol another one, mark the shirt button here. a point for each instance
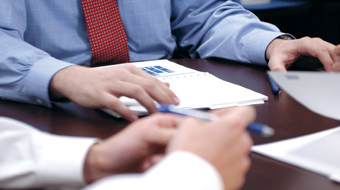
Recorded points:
(39, 101)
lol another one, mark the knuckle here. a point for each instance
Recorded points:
(129, 66)
(113, 103)
(235, 124)
(306, 38)
(245, 145)
(246, 164)
(149, 84)
(317, 39)
(136, 91)
(247, 110)
(322, 51)
(248, 142)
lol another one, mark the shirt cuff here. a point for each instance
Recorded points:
(257, 43)
(178, 170)
(61, 160)
(38, 79)
(184, 170)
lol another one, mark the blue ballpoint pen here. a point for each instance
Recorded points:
(275, 88)
(257, 128)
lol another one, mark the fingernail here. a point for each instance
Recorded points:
(133, 118)
(176, 100)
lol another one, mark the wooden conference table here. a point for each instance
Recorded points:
(284, 114)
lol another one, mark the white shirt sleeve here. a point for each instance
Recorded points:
(179, 170)
(30, 158)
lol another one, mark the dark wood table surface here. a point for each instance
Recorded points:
(288, 117)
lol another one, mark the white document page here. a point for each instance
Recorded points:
(318, 91)
(195, 89)
(318, 152)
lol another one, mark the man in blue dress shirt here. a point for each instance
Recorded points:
(44, 46)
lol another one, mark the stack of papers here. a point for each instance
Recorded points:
(318, 152)
(318, 91)
(195, 89)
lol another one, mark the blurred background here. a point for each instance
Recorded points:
(314, 18)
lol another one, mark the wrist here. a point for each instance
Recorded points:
(99, 163)
(58, 83)
(92, 164)
(274, 43)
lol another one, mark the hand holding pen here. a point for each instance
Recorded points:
(257, 128)
(224, 143)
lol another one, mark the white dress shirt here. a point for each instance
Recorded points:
(30, 158)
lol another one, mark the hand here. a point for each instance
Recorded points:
(134, 149)
(282, 53)
(224, 143)
(102, 87)
(336, 65)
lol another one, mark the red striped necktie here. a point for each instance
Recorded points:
(106, 31)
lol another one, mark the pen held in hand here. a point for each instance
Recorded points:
(257, 128)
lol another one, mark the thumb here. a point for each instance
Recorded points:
(276, 64)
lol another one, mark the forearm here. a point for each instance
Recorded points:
(228, 31)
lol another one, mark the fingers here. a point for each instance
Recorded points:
(337, 50)
(224, 111)
(224, 143)
(92, 88)
(161, 137)
(282, 53)
(318, 48)
(135, 91)
(164, 130)
(336, 67)
(198, 137)
(274, 53)
(337, 54)
(154, 88)
(137, 84)
(239, 116)
(242, 145)
(276, 63)
(117, 106)
(236, 178)
(158, 90)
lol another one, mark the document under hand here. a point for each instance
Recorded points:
(318, 91)
(318, 152)
(195, 89)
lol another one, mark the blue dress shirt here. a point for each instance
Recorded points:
(40, 37)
